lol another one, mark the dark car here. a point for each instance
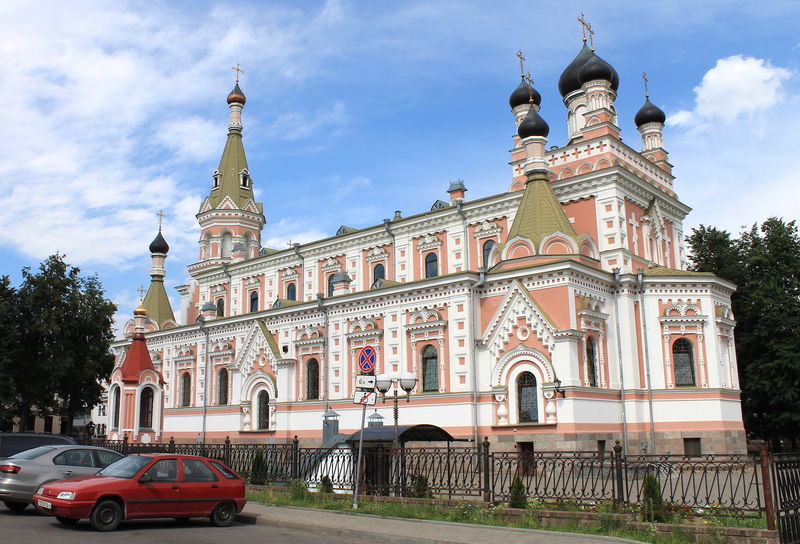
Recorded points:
(11, 443)
(147, 486)
(23, 473)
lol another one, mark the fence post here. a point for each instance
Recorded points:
(619, 488)
(172, 444)
(226, 452)
(487, 495)
(769, 504)
(295, 458)
(125, 444)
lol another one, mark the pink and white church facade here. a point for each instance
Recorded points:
(576, 275)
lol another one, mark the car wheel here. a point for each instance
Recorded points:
(16, 506)
(66, 521)
(106, 516)
(224, 514)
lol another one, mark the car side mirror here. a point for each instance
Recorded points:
(145, 478)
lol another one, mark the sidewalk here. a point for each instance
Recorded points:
(404, 531)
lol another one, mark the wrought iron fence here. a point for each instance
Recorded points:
(786, 479)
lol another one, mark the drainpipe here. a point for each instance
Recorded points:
(460, 210)
(619, 362)
(230, 287)
(640, 279)
(321, 306)
(473, 362)
(386, 223)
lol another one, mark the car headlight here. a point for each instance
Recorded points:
(41, 490)
(66, 495)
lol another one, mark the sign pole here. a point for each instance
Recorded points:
(358, 465)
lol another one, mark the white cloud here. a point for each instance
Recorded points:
(292, 229)
(735, 86)
(329, 121)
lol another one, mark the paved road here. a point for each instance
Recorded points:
(32, 528)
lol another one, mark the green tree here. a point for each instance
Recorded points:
(9, 340)
(65, 324)
(764, 262)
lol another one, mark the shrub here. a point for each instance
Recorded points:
(421, 487)
(258, 475)
(298, 489)
(652, 505)
(325, 485)
(519, 495)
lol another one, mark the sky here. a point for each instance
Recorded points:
(112, 111)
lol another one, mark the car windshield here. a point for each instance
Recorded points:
(127, 467)
(33, 453)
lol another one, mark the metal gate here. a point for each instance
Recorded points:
(786, 475)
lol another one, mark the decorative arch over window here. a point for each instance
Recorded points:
(186, 389)
(262, 410)
(431, 265)
(527, 402)
(222, 386)
(591, 362)
(487, 249)
(291, 292)
(116, 399)
(220, 307)
(146, 408)
(683, 357)
(430, 369)
(312, 379)
(254, 301)
(378, 273)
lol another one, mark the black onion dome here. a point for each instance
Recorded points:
(596, 68)
(649, 113)
(522, 95)
(159, 245)
(236, 95)
(533, 125)
(568, 81)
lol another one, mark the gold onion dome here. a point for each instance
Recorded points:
(236, 95)
(140, 310)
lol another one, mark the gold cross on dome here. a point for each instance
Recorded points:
(141, 293)
(646, 92)
(161, 215)
(527, 77)
(586, 28)
(521, 63)
(238, 71)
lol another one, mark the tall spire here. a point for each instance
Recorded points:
(156, 302)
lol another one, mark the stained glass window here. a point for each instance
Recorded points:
(591, 361)
(312, 379)
(430, 369)
(683, 358)
(146, 408)
(263, 410)
(526, 398)
(222, 386)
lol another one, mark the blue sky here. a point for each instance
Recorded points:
(112, 111)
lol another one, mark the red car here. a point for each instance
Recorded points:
(146, 486)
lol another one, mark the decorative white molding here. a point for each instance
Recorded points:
(429, 241)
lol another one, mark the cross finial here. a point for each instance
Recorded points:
(586, 28)
(141, 292)
(161, 215)
(238, 71)
(289, 244)
(646, 92)
(521, 63)
(527, 77)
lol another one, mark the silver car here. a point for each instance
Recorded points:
(22, 474)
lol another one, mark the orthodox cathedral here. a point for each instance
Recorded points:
(556, 316)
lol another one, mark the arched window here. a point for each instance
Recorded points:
(254, 301)
(220, 307)
(527, 407)
(683, 357)
(487, 248)
(430, 369)
(330, 285)
(146, 408)
(186, 389)
(291, 292)
(312, 379)
(591, 362)
(263, 410)
(116, 400)
(431, 265)
(227, 245)
(378, 273)
(222, 386)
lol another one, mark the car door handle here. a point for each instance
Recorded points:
(175, 487)
(67, 473)
(214, 486)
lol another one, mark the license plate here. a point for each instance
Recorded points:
(44, 504)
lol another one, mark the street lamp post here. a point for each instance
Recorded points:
(383, 383)
(201, 322)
